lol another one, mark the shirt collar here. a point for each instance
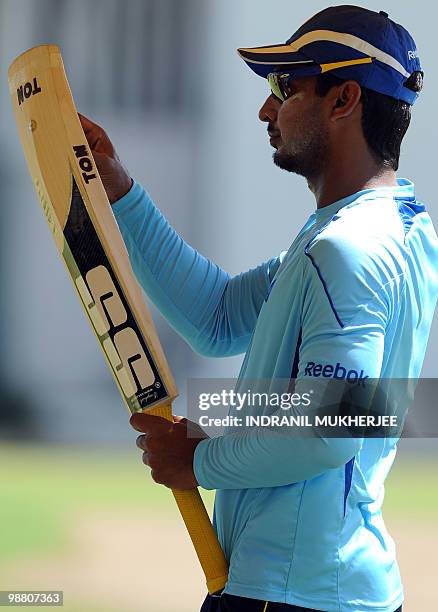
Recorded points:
(404, 189)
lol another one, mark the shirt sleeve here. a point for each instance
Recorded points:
(215, 313)
(343, 322)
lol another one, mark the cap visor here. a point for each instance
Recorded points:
(263, 60)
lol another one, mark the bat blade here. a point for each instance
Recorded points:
(78, 213)
(77, 210)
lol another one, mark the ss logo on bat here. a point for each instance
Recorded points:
(106, 310)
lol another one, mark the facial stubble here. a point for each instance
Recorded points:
(307, 152)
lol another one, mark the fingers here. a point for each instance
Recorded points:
(92, 130)
(153, 461)
(115, 178)
(152, 428)
(141, 442)
(151, 440)
(143, 422)
(87, 124)
(167, 449)
(96, 136)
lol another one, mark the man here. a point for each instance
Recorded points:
(299, 518)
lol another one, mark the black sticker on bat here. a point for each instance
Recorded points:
(136, 362)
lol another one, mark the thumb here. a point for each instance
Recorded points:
(143, 422)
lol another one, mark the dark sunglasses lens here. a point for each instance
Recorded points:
(284, 86)
(279, 84)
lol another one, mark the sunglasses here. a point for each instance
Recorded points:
(280, 82)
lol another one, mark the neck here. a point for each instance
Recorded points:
(336, 183)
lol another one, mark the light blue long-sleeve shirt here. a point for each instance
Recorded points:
(299, 518)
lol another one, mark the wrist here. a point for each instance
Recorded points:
(122, 192)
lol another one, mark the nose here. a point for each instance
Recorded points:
(269, 111)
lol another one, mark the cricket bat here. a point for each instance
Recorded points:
(79, 215)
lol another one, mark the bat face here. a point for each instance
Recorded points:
(80, 218)
(79, 215)
(108, 310)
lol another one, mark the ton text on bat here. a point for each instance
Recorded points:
(27, 90)
(85, 163)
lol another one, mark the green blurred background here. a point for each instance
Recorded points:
(94, 525)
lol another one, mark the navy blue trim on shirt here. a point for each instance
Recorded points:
(348, 478)
(407, 210)
(325, 287)
(295, 364)
(270, 289)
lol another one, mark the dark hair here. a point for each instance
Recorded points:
(385, 120)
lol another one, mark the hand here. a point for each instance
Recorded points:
(115, 177)
(168, 449)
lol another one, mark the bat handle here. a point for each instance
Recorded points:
(197, 521)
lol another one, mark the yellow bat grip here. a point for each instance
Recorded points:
(202, 534)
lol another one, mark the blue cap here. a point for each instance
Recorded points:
(350, 41)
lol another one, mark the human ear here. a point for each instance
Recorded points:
(347, 99)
